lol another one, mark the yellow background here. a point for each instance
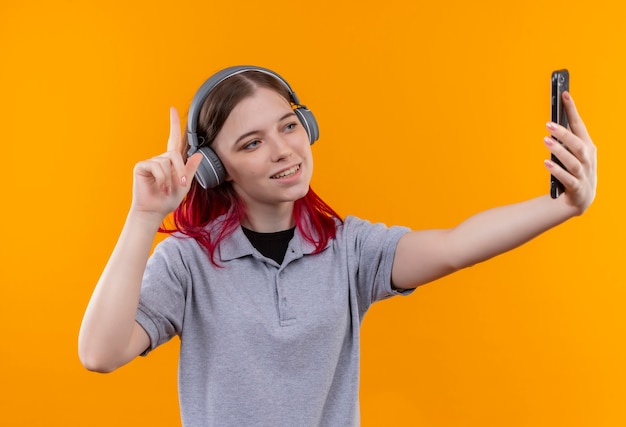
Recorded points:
(429, 111)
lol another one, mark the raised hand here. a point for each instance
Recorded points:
(161, 183)
(578, 155)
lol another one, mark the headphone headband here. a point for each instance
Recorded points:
(211, 83)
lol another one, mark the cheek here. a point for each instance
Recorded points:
(302, 146)
(243, 171)
(308, 154)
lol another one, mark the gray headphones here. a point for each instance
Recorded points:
(211, 171)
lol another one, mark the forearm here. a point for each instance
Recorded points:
(424, 256)
(501, 229)
(109, 320)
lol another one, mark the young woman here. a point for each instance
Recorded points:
(262, 281)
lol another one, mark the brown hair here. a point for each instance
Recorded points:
(225, 96)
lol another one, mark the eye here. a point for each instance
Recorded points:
(251, 145)
(291, 126)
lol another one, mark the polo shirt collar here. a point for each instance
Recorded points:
(237, 245)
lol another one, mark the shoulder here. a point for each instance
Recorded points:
(176, 242)
(178, 249)
(354, 226)
(179, 241)
(359, 235)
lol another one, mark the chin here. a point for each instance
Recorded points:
(297, 195)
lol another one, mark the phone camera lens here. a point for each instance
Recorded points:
(561, 79)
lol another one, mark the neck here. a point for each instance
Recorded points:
(269, 219)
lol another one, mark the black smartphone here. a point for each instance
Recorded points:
(560, 83)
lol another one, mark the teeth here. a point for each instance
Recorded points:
(287, 172)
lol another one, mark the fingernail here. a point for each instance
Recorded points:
(567, 96)
(549, 164)
(551, 125)
(549, 141)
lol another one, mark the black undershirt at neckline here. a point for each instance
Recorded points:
(271, 245)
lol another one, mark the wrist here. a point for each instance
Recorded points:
(567, 207)
(148, 219)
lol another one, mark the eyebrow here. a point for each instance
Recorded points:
(252, 132)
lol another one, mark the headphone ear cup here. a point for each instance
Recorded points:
(211, 171)
(307, 119)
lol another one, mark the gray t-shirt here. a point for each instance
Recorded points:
(264, 344)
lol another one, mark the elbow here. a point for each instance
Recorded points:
(94, 364)
(95, 361)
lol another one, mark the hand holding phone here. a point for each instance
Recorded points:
(560, 83)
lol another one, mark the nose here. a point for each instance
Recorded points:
(280, 149)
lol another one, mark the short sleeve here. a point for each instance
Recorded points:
(162, 299)
(373, 248)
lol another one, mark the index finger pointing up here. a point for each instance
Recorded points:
(174, 141)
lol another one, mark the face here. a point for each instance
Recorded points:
(266, 151)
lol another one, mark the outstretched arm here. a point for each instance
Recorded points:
(424, 256)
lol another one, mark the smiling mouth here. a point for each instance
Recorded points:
(286, 173)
